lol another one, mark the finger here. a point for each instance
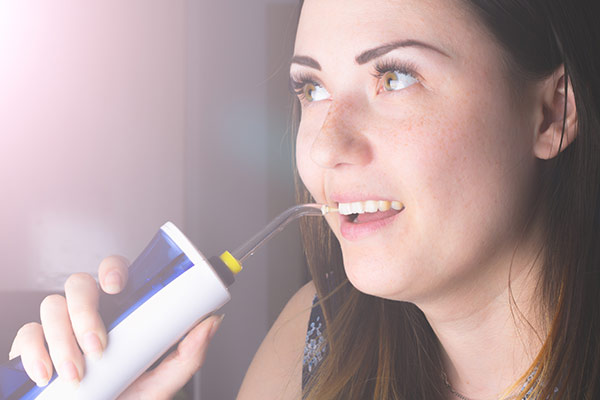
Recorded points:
(179, 366)
(58, 332)
(112, 274)
(29, 344)
(81, 291)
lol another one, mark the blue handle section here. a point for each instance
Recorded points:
(160, 263)
(14, 382)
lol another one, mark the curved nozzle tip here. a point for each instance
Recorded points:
(325, 209)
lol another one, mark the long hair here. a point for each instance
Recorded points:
(382, 349)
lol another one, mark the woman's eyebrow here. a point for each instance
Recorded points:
(371, 54)
(308, 61)
(378, 51)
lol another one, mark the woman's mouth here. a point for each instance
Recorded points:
(361, 218)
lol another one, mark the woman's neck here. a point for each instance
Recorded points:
(490, 332)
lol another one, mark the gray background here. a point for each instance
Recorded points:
(117, 116)
(248, 72)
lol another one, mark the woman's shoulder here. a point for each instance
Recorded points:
(276, 370)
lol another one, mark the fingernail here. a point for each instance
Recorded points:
(215, 327)
(112, 282)
(41, 374)
(69, 373)
(92, 346)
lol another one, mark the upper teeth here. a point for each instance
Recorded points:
(369, 206)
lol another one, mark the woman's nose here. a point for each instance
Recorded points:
(339, 141)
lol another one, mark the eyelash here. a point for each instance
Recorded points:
(385, 66)
(301, 79)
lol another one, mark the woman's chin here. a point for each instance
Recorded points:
(369, 281)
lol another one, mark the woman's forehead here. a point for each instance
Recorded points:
(339, 26)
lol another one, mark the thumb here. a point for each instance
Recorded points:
(178, 367)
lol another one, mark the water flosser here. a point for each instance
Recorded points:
(171, 287)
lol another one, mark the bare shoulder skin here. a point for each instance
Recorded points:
(276, 370)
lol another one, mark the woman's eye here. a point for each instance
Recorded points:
(397, 80)
(315, 92)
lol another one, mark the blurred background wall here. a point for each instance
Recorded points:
(117, 116)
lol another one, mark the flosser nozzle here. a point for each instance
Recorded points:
(235, 258)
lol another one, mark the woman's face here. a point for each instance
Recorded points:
(410, 101)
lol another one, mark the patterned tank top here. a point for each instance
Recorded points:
(315, 347)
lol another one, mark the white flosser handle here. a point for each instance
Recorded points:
(171, 287)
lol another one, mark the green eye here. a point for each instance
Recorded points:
(314, 92)
(308, 91)
(397, 80)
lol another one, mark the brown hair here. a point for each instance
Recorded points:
(382, 349)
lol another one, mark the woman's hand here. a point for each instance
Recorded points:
(72, 324)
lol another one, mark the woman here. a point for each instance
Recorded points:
(481, 119)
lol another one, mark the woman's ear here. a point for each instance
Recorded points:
(549, 138)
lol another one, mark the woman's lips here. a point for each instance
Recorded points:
(366, 224)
